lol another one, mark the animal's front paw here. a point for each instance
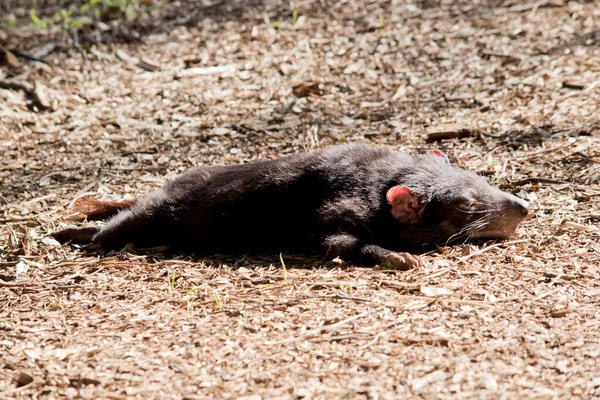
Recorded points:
(403, 261)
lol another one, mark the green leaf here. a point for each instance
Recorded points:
(11, 22)
(131, 13)
(212, 291)
(285, 273)
(88, 5)
(34, 18)
(120, 4)
(77, 22)
(388, 267)
(171, 282)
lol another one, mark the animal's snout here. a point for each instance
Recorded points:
(521, 206)
(515, 207)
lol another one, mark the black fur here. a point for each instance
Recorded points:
(328, 202)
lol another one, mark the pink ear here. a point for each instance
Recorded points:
(406, 207)
(439, 153)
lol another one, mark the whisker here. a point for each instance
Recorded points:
(486, 211)
(425, 236)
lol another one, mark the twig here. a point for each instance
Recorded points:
(345, 321)
(436, 274)
(419, 340)
(450, 131)
(502, 300)
(338, 297)
(12, 85)
(462, 259)
(527, 181)
(535, 6)
(409, 287)
(579, 227)
(16, 219)
(8, 263)
(467, 302)
(338, 338)
(537, 153)
(41, 198)
(588, 89)
(502, 55)
(546, 294)
(554, 274)
(17, 284)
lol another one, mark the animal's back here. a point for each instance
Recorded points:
(257, 206)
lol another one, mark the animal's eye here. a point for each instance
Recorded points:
(467, 205)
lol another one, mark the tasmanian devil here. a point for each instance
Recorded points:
(372, 205)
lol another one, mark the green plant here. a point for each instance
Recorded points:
(388, 267)
(213, 292)
(10, 21)
(279, 23)
(68, 22)
(38, 22)
(216, 297)
(381, 23)
(73, 18)
(89, 5)
(285, 272)
(171, 282)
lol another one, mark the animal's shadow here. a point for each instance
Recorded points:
(234, 261)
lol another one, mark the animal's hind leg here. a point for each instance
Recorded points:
(96, 209)
(126, 227)
(147, 223)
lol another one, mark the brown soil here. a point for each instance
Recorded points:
(513, 86)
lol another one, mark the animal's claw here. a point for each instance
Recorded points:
(403, 261)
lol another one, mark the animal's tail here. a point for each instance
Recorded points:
(96, 209)
(92, 209)
(76, 234)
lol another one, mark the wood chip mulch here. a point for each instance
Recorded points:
(507, 88)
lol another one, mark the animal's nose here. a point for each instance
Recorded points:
(522, 206)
